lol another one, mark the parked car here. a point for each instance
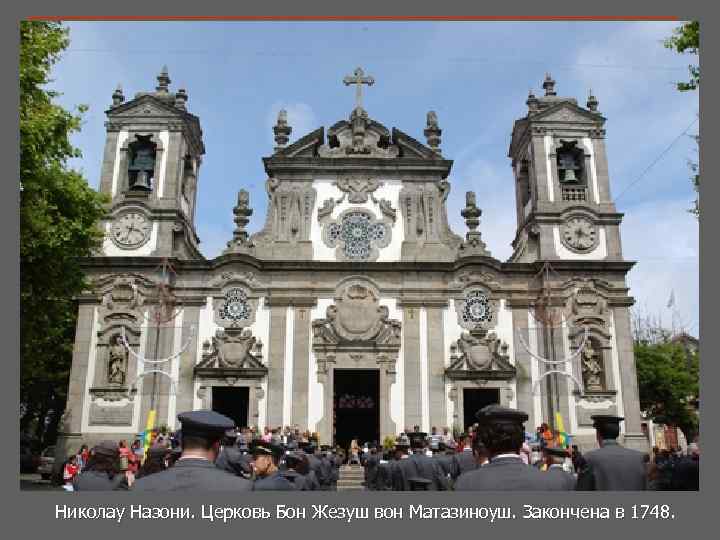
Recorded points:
(47, 463)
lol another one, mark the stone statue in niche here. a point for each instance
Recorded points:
(117, 361)
(592, 370)
(142, 163)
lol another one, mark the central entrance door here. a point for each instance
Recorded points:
(475, 399)
(233, 402)
(356, 406)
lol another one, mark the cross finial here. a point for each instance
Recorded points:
(358, 78)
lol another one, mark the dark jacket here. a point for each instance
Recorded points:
(465, 461)
(420, 466)
(613, 468)
(564, 477)
(192, 474)
(508, 473)
(274, 482)
(298, 481)
(99, 481)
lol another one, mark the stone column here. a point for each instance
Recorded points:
(412, 373)
(276, 363)
(540, 166)
(70, 432)
(634, 437)
(523, 361)
(188, 359)
(436, 365)
(108, 164)
(301, 361)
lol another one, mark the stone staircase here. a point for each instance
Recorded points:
(351, 478)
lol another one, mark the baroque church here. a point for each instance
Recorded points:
(355, 311)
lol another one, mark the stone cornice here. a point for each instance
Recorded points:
(417, 167)
(424, 267)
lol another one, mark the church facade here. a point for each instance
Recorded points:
(355, 311)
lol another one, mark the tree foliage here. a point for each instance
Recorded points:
(686, 39)
(668, 374)
(59, 213)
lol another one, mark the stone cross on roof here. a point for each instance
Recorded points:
(358, 78)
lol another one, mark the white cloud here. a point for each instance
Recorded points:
(300, 116)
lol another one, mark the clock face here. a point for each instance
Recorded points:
(580, 234)
(131, 230)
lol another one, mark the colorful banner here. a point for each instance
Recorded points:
(149, 430)
(563, 439)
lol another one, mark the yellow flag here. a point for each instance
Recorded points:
(559, 426)
(148, 429)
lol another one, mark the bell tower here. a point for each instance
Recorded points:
(152, 157)
(564, 207)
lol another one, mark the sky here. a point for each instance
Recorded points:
(475, 75)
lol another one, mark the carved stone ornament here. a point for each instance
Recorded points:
(233, 352)
(586, 305)
(476, 310)
(289, 214)
(359, 137)
(357, 317)
(479, 355)
(356, 189)
(121, 293)
(357, 235)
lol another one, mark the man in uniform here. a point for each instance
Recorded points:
(611, 467)
(267, 475)
(327, 468)
(501, 431)
(555, 460)
(315, 471)
(231, 458)
(371, 463)
(294, 461)
(419, 466)
(202, 432)
(101, 472)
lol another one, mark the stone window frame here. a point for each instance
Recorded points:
(123, 185)
(375, 245)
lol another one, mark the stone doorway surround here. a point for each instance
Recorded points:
(356, 334)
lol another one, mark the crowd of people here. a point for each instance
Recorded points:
(209, 453)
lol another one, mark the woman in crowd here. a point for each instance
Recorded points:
(70, 471)
(82, 456)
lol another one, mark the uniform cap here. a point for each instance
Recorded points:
(205, 424)
(497, 414)
(258, 447)
(600, 420)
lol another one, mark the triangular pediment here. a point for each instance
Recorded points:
(410, 147)
(566, 111)
(305, 146)
(146, 105)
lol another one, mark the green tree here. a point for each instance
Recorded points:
(668, 377)
(686, 39)
(59, 215)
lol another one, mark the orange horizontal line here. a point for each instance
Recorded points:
(353, 18)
